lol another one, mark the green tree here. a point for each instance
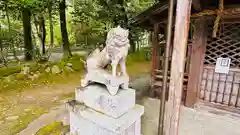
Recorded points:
(50, 16)
(26, 17)
(121, 11)
(90, 30)
(26, 8)
(65, 40)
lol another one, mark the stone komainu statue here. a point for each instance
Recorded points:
(115, 52)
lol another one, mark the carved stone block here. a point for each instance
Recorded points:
(98, 98)
(85, 121)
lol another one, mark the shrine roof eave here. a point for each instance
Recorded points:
(158, 13)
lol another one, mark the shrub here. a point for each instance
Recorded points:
(77, 65)
(35, 67)
(8, 71)
(20, 76)
(136, 57)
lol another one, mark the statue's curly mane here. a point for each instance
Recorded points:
(117, 37)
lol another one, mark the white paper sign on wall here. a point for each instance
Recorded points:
(223, 65)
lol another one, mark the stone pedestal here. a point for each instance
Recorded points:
(98, 98)
(85, 121)
(96, 112)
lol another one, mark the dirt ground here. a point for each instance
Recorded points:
(199, 121)
(30, 110)
(34, 108)
(16, 111)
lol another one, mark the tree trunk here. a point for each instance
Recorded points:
(36, 24)
(133, 45)
(34, 38)
(66, 48)
(51, 25)
(86, 40)
(43, 34)
(1, 46)
(26, 18)
(9, 30)
(2, 58)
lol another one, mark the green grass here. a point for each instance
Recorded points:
(44, 79)
(24, 119)
(69, 95)
(138, 65)
(16, 81)
(53, 129)
(8, 71)
(20, 82)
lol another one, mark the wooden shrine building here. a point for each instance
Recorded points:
(214, 31)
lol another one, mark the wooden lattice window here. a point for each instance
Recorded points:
(226, 44)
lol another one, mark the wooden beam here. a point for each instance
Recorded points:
(154, 54)
(225, 12)
(196, 63)
(183, 14)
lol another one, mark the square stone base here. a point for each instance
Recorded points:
(98, 98)
(85, 121)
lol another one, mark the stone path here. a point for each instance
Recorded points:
(192, 122)
(57, 114)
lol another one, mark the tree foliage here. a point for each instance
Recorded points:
(87, 22)
(96, 17)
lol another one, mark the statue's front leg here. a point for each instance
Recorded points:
(114, 68)
(124, 73)
(123, 66)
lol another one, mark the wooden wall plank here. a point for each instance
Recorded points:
(223, 89)
(197, 60)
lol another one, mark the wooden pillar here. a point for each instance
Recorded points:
(154, 57)
(183, 13)
(196, 63)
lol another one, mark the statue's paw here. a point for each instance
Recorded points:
(125, 86)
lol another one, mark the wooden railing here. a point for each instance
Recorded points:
(158, 83)
(221, 88)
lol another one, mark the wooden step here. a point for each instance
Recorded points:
(160, 84)
(161, 77)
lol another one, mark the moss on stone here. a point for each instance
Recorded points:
(75, 60)
(20, 76)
